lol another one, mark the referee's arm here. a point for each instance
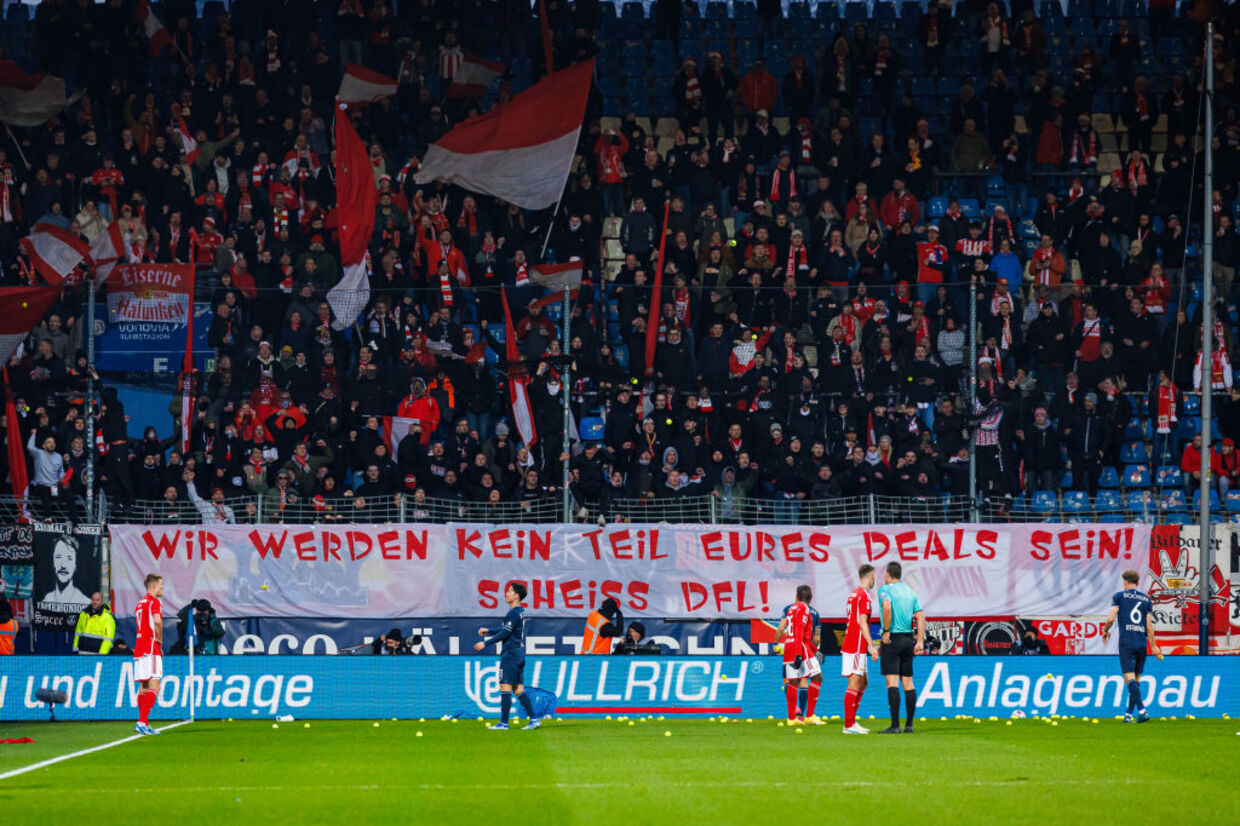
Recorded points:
(920, 618)
(886, 621)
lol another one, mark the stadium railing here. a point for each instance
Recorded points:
(703, 509)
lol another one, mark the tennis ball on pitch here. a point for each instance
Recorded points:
(419, 734)
(781, 723)
(1053, 723)
(631, 723)
(376, 725)
(667, 734)
(1009, 722)
(307, 725)
(608, 717)
(993, 719)
(275, 725)
(1095, 722)
(798, 731)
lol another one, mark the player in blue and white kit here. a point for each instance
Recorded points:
(511, 658)
(1133, 610)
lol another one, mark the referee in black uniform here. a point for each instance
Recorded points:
(901, 611)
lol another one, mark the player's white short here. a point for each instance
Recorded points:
(854, 664)
(148, 667)
(809, 668)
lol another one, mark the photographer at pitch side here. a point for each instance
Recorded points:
(208, 630)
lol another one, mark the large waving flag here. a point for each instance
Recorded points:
(23, 309)
(152, 28)
(360, 86)
(18, 474)
(188, 145)
(30, 100)
(54, 251)
(520, 151)
(356, 197)
(518, 381)
(107, 250)
(474, 76)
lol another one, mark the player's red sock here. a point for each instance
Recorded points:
(814, 688)
(146, 701)
(790, 692)
(851, 699)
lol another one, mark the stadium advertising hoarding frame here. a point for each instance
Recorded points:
(672, 571)
(430, 687)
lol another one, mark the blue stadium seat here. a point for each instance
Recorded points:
(1113, 518)
(1172, 500)
(1107, 501)
(1169, 477)
(1109, 478)
(1044, 501)
(1232, 501)
(971, 208)
(622, 354)
(938, 206)
(1176, 518)
(1214, 503)
(591, 429)
(1076, 501)
(1190, 426)
(1192, 404)
(1133, 453)
(1135, 430)
(1136, 476)
(1065, 481)
(1139, 500)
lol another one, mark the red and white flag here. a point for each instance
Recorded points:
(54, 251)
(30, 100)
(361, 86)
(188, 145)
(356, 197)
(23, 309)
(518, 381)
(152, 28)
(15, 444)
(556, 277)
(520, 151)
(107, 250)
(474, 77)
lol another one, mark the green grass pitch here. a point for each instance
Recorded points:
(629, 772)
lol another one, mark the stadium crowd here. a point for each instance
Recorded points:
(814, 316)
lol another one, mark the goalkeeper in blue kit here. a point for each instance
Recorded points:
(1133, 609)
(511, 659)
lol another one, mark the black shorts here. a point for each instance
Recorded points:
(896, 657)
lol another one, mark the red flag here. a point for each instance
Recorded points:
(474, 76)
(356, 197)
(188, 145)
(30, 100)
(544, 27)
(152, 28)
(361, 86)
(656, 297)
(107, 250)
(520, 151)
(16, 446)
(518, 381)
(23, 309)
(54, 251)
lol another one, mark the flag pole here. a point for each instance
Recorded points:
(90, 399)
(1204, 562)
(655, 311)
(16, 144)
(544, 25)
(566, 381)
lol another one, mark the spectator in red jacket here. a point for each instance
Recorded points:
(419, 405)
(758, 90)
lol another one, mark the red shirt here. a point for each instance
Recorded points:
(146, 612)
(858, 614)
(798, 639)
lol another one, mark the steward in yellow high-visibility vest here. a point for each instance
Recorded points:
(602, 626)
(96, 628)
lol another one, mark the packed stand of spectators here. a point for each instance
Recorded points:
(813, 322)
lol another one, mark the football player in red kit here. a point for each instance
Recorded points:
(796, 635)
(857, 644)
(148, 651)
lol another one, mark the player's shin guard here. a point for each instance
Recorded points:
(814, 688)
(790, 693)
(893, 703)
(851, 699)
(802, 701)
(146, 701)
(910, 705)
(524, 700)
(1134, 696)
(505, 705)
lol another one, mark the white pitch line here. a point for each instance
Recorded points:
(54, 760)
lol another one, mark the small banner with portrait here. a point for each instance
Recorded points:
(66, 573)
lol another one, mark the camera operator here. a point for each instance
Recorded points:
(1030, 644)
(632, 641)
(393, 642)
(208, 630)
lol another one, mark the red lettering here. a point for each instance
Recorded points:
(638, 591)
(874, 539)
(1108, 544)
(1069, 544)
(986, 541)
(331, 546)
(611, 588)
(499, 543)
(723, 594)
(267, 544)
(389, 545)
(818, 545)
(468, 541)
(793, 552)
(741, 605)
(162, 544)
(207, 543)
(766, 547)
(620, 547)
(303, 543)
(540, 545)
(488, 590)
(359, 544)
(695, 594)
(935, 549)
(570, 594)
(415, 545)
(544, 594)
(712, 546)
(592, 538)
(906, 545)
(1040, 540)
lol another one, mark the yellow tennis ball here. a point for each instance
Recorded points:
(667, 734)
(419, 734)
(723, 678)
(264, 586)
(376, 725)
(307, 725)
(275, 725)
(1009, 722)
